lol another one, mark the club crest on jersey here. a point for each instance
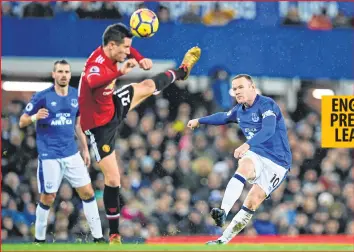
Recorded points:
(255, 117)
(106, 148)
(74, 103)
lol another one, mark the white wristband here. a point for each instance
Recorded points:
(34, 118)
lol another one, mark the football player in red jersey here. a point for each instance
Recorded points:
(102, 109)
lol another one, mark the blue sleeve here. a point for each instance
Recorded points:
(268, 129)
(220, 118)
(37, 101)
(269, 121)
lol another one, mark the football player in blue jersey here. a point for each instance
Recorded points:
(55, 113)
(264, 159)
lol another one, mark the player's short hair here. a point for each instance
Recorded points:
(117, 33)
(248, 77)
(60, 62)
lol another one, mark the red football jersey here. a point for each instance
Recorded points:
(95, 98)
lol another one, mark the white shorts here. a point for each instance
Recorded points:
(269, 175)
(50, 173)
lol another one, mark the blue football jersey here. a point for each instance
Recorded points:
(277, 147)
(56, 133)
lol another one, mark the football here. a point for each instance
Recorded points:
(144, 23)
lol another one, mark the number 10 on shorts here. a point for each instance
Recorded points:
(275, 180)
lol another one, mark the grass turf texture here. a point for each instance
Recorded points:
(171, 247)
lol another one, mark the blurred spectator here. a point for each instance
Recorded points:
(218, 16)
(109, 11)
(220, 83)
(6, 9)
(192, 15)
(163, 14)
(38, 9)
(340, 20)
(85, 10)
(320, 22)
(141, 6)
(292, 17)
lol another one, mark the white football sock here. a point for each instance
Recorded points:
(237, 224)
(233, 192)
(93, 217)
(42, 213)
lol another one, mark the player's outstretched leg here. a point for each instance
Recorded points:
(232, 193)
(159, 82)
(254, 199)
(191, 57)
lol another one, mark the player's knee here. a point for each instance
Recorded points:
(246, 168)
(253, 202)
(112, 182)
(48, 199)
(255, 197)
(149, 86)
(86, 192)
(87, 195)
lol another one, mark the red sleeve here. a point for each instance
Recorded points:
(135, 54)
(97, 76)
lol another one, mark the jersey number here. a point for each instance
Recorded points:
(125, 100)
(275, 180)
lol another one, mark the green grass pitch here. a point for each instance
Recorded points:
(178, 247)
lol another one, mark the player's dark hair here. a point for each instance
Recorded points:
(248, 77)
(61, 62)
(117, 33)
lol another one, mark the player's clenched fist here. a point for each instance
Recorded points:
(145, 64)
(192, 124)
(42, 114)
(240, 151)
(128, 66)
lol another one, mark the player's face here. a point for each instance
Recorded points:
(119, 52)
(62, 75)
(243, 90)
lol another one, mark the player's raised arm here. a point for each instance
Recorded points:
(219, 118)
(97, 76)
(144, 63)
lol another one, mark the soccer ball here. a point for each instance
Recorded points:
(144, 23)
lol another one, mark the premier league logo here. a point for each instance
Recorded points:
(74, 103)
(255, 117)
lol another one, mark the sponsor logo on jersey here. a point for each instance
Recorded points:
(62, 119)
(53, 103)
(106, 148)
(109, 87)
